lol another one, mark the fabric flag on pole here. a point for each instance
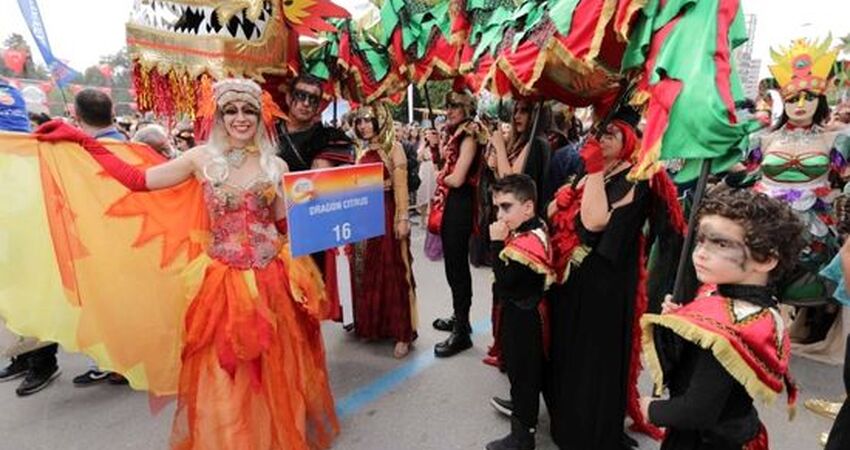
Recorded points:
(684, 48)
(62, 73)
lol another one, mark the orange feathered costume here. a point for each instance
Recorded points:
(131, 279)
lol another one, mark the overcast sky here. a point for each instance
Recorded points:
(81, 31)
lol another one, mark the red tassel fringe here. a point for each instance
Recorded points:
(640, 423)
(666, 191)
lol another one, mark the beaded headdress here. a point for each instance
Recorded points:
(380, 115)
(213, 96)
(465, 99)
(804, 66)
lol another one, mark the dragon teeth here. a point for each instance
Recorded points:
(199, 20)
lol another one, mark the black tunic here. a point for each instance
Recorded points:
(708, 409)
(591, 329)
(520, 290)
(517, 282)
(300, 148)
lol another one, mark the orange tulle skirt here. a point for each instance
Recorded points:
(253, 365)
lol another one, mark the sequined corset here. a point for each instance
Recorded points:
(242, 228)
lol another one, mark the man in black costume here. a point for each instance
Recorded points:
(303, 141)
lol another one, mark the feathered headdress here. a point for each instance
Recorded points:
(804, 66)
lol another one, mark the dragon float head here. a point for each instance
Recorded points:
(175, 44)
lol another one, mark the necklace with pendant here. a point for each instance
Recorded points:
(236, 157)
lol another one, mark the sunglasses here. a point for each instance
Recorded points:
(453, 105)
(308, 98)
(246, 111)
(807, 95)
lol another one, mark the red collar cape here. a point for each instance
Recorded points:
(749, 341)
(531, 249)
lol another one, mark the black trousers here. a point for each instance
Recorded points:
(839, 436)
(41, 359)
(455, 233)
(522, 350)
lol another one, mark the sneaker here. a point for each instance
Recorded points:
(505, 407)
(17, 368)
(117, 379)
(90, 378)
(37, 380)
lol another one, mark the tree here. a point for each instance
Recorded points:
(844, 46)
(31, 70)
(93, 77)
(437, 91)
(17, 42)
(119, 59)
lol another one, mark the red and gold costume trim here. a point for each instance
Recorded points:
(748, 340)
(438, 202)
(531, 249)
(565, 240)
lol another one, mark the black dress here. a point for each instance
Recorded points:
(591, 329)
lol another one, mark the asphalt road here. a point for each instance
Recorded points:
(418, 403)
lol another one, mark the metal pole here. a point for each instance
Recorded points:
(410, 103)
(428, 104)
(702, 182)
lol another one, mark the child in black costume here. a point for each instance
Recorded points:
(729, 345)
(522, 272)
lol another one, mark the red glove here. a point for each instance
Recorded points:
(591, 154)
(59, 131)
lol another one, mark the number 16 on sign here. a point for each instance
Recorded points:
(342, 232)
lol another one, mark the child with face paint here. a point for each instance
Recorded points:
(729, 345)
(522, 272)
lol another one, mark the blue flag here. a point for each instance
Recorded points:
(32, 15)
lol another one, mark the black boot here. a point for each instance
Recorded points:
(521, 438)
(457, 342)
(446, 324)
(17, 368)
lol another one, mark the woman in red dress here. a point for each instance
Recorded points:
(383, 285)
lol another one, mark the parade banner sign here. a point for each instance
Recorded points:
(327, 208)
(32, 16)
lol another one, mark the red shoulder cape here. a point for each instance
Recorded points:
(531, 249)
(749, 341)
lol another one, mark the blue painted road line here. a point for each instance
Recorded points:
(355, 401)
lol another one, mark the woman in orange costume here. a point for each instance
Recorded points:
(253, 370)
